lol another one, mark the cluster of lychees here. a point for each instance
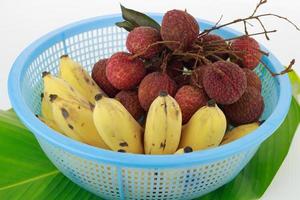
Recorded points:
(191, 67)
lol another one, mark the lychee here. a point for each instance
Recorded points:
(197, 76)
(190, 99)
(124, 72)
(225, 82)
(181, 27)
(249, 52)
(139, 41)
(130, 101)
(252, 79)
(215, 43)
(99, 76)
(247, 109)
(152, 85)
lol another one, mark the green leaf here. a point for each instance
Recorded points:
(295, 81)
(26, 173)
(126, 25)
(138, 19)
(255, 178)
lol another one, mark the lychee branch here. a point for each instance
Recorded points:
(217, 42)
(151, 45)
(287, 70)
(251, 17)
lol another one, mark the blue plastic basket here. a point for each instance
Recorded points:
(113, 175)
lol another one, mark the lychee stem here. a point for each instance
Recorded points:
(193, 55)
(151, 45)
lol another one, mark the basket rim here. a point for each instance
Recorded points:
(41, 130)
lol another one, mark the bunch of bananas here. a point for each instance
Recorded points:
(74, 105)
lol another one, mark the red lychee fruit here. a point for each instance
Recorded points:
(225, 82)
(179, 26)
(140, 38)
(152, 85)
(252, 79)
(215, 43)
(99, 76)
(247, 109)
(130, 101)
(125, 72)
(249, 52)
(190, 99)
(197, 76)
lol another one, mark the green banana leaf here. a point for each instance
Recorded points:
(26, 173)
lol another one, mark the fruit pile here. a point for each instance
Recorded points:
(176, 90)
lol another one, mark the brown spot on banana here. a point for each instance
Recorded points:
(187, 149)
(86, 79)
(163, 144)
(64, 113)
(52, 97)
(121, 151)
(165, 107)
(70, 126)
(123, 144)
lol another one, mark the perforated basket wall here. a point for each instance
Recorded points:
(105, 173)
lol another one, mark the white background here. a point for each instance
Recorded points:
(23, 21)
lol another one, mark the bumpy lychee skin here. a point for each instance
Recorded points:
(215, 43)
(99, 76)
(225, 82)
(190, 99)
(252, 79)
(152, 85)
(250, 54)
(123, 72)
(178, 25)
(130, 101)
(247, 109)
(140, 38)
(197, 76)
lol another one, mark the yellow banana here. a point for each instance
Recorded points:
(46, 109)
(54, 85)
(52, 124)
(76, 121)
(78, 77)
(205, 129)
(163, 126)
(184, 150)
(239, 132)
(120, 131)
